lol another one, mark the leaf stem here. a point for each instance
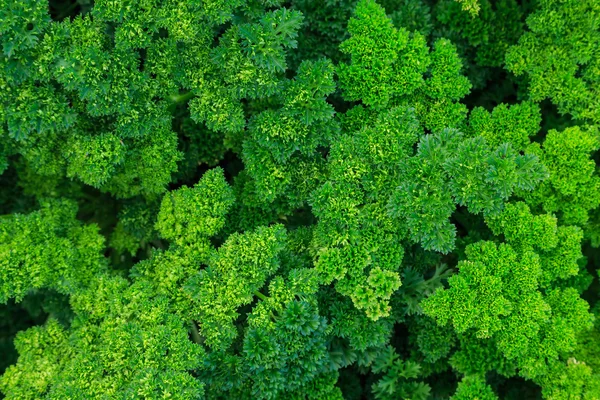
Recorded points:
(196, 334)
(180, 98)
(260, 295)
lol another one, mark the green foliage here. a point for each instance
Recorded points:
(572, 188)
(398, 378)
(449, 169)
(235, 273)
(132, 346)
(588, 350)
(280, 139)
(286, 343)
(415, 287)
(507, 124)
(135, 228)
(558, 55)
(246, 64)
(358, 243)
(472, 6)
(348, 323)
(324, 28)
(389, 63)
(338, 199)
(189, 214)
(377, 51)
(573, 380)
(485, 32)
(474, 387)
(510, 293)
(413, 15)
(432, 341)
(48, 248)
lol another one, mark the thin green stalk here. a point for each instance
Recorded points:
(260, 295)
(196, 334)
(181, 98)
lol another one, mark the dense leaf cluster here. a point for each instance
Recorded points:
(269, 199)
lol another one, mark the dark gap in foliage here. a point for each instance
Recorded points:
(232, 165)
(13, 318)
(97, 207)
(324, 151)
(470, 228)
(217, 241)
(596, 157)
(110, 29)
(289, 73)
(33, 310)
(12, 197)
(162, 33)
(218, 32)
(580, 72)
(423, 261)
(353, 383)
(46, 303)
(189, 133)
(142, 57)
(499, 88)
(400, 340)
(301, 217)
(552, 119)
(443, 384)
(514, 388)
(63, 9)
(102, 209)
(460, 219)
(526, 5)
(466, 223)
(339, 104)
(593, 268)
(241, 324)
(123, 261)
